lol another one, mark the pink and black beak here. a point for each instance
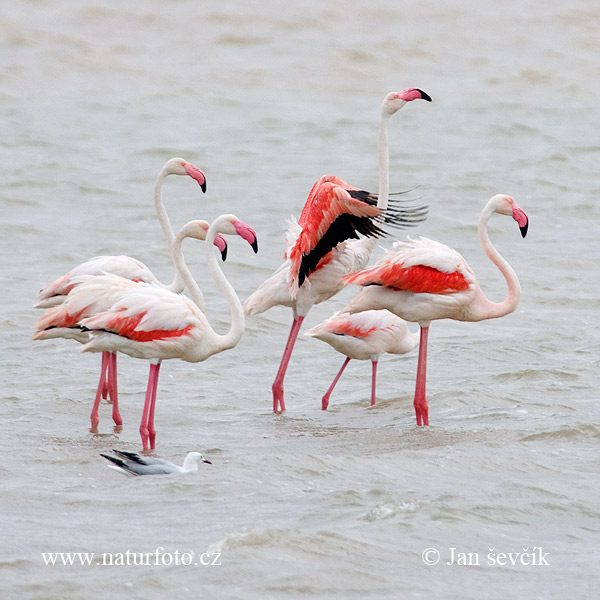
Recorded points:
(247, 233)
(221, 243)
(520, 216)
(195, 173)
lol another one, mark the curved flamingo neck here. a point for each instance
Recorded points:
(236, 329)
(163, 217)
(177, 284)
(182, 271)
(489, 309)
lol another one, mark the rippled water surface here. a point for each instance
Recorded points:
(354, 501)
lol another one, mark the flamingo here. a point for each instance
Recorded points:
(318, 254)
(133, 464)
(422, 280)
(150, 322)
(364, 336)
(55, 292)
(57, 323)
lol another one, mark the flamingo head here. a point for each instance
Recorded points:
(178, 166)
(505, 205)
(394, 101)
(230, 224)
(198, 230)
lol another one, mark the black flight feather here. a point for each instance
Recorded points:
(347, 227)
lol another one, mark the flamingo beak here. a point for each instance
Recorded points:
(221, 243)
(197, 174)
(411, 94)
(247, 233)
(520, 216)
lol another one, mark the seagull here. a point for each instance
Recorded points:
(131, 463)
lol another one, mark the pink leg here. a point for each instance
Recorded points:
(420, 403)
(151, 430)
(150, 390)
(278, 403)
(325, 400)
(114, 393)
(373, 382)
(105, 385)
(94, 418)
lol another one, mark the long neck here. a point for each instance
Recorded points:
(384, 162)
(236, 329)
(183, 273)
(384, 175)
(491, 309)
(177, 284)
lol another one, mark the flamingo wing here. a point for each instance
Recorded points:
(146, 313)
(55, 292)
(418, 266)
(90, 294)
(331, 215)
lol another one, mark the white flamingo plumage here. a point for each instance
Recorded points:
(364, 336)
(422, 280)
(55, 292)
(150, 322)
(66, 323)
(318, 254)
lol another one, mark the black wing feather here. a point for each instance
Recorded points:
(347, 227)
(121, 464)
(132, 456)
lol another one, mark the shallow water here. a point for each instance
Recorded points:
(343, 503)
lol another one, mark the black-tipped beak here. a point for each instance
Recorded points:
(224, 254)
(524, 228)
(424, 95)
(203, 187)
(206, 461)
(254, 245)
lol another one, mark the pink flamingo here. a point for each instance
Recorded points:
(65, 323)
(150, 322)
(318, 253)
(422, 280)
(364, 336)
(55, 292)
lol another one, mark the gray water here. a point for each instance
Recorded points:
(350, 503)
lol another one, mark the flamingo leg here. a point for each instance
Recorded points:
(150, 391)
(113, 388)
(420, 402)
(151, 430)
(325, 399)
(278, 403)
(373, 382)
(94, 418)
(105, 384)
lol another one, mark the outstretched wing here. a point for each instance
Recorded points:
(336, 212)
